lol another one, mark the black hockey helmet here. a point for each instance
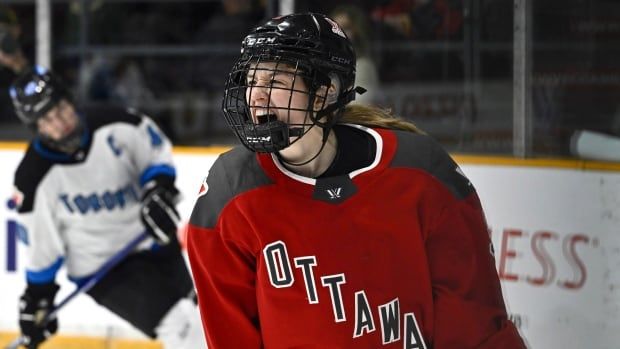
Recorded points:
(34, 92)
(317, 51)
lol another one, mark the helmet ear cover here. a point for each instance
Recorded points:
(329, 90)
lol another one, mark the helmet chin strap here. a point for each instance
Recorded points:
(327, 126)
(323, 142)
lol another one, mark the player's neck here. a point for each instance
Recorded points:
(306, 148)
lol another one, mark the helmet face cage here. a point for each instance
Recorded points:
(34, 93)
(309, 49)
(256, 125)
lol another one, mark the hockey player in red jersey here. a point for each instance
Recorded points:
(336, 226)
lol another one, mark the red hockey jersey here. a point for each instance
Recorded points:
(394, 255)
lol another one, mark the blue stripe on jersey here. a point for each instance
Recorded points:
(48, 154)
(156, 140)
(156, 170)
(56, 155)
(45, 275)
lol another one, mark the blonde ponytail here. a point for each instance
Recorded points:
(376, 117)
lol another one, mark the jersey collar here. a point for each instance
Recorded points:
(385, 149)
(57, 156)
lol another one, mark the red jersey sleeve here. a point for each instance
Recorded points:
(469, 308)
(222, 250)
(224, 274)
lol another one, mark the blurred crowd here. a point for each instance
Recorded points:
(446, 64)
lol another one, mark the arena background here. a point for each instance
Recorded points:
(523, 94)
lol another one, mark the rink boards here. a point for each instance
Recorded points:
(554, 225)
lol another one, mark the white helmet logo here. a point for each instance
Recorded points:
(255, 41)
(336, 28)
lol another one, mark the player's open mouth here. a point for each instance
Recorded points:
(263, 115)
(261, 119)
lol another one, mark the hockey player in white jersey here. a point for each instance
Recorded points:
(89, 183)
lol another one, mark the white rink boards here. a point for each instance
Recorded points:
(555, 233)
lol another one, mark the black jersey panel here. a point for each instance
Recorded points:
(233, 173)
(356, 149)
(424, 153)
(30, 171)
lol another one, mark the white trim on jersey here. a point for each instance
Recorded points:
(312, 181)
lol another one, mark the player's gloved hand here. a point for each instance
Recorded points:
(36, 302)
(159, 214)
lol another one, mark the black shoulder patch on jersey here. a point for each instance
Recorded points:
(100, 116)
(423, 152)
(334, 190)
(29, 174)
(233, 173)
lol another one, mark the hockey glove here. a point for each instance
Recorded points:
(36, 302)
(159, 214)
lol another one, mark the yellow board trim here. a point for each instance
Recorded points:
(213, 150)
(12, 146)
(83, 342)
(462, 159)
(563, 163)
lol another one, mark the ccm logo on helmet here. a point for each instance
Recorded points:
(254, 41)
(340, 60)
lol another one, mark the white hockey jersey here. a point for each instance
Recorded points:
(82, 209)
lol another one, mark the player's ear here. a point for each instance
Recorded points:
(334, 89)
(331, 96)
